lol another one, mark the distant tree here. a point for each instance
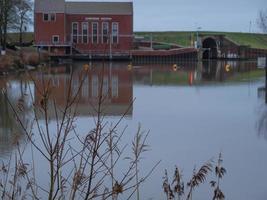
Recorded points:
(1, 22)
(24, 19)
(7, 13)
(262, 20)
(15, 15)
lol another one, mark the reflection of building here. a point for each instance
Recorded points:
(115, 83)
(10, 130)
(261, 93)
(261, 124)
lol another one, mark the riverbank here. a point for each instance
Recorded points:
(182, 38)
(22, 59)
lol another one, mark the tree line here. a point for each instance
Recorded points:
(262, 20)
(15, 16)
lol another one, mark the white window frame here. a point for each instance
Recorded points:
(113, 23)
(55, 36)
(77, 35)
(97, 40)
(102, 31)
(87, 32)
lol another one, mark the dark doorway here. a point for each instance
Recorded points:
(209, 46)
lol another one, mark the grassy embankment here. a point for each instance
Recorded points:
(185, 38)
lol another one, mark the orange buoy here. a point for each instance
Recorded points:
(174, 67)
(227, 68)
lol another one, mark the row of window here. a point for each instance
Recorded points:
(49, 17)
(106, 34)
(95, 86)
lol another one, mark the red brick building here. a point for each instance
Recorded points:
(86, 28)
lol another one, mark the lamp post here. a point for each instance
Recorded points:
(198, 29)
(151, 41)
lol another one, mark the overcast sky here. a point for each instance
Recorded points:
(187, 15)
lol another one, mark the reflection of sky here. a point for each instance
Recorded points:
(188, 126)
(15, 90)
(10, 130)
(262, 120)
(181, 15)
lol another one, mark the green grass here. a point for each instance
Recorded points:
(180, 38)
(244, 76)
(185, 38)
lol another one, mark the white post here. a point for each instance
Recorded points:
(110, 47)
(151, 41)
(3, 52)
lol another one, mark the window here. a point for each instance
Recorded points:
(75, 32)
(94, 86)
(115, 86)
(46, 17)
(115, 33)
(52, 17)
(55, 39)
(105, 32)
(75, 87)
(105, 87)
(85, 32)
(85, 88)
(95, 32)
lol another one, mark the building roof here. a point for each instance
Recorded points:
(121, 8)
(60, 6)
(49, 6)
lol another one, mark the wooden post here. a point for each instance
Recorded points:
(39, 54)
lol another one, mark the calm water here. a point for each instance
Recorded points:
(193, 112)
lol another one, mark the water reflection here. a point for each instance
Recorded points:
(262, 110)
(17, 93)
(262, 122)
(195, 73)
(198, 123)
(118, 80)
(85, 86)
